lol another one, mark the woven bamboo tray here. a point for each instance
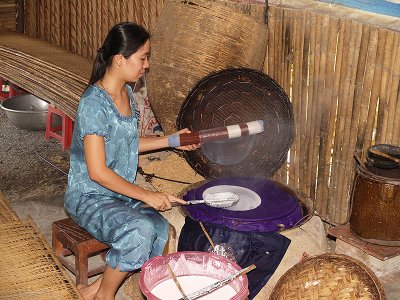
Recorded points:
(191, 40)
(328, 276)
(28, 268)
(6, 212)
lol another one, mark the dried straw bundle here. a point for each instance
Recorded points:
(328, 276)
(28, 269)
(49, 72)
(193, 39)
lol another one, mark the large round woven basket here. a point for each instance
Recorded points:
(192, 39)
(328, 276)
(233, 96)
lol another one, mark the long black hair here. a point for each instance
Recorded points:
(125, 38)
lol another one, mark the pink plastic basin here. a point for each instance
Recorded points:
(155, 271)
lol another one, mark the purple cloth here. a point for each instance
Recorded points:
(278, 209)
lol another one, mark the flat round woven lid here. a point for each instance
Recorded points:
(234, 96)
(328, 276)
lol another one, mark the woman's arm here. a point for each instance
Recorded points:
(100, 173)
(155, 143)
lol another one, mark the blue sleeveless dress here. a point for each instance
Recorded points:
(134, 234)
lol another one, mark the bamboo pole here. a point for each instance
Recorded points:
(367, 86)
(287, 85)
(124, 10)
(47, 18)
(80, 35)
(353, 113)
(388, 64)
(311, 107)
(383, 101)
(302, 85)
(338, 167)
(393, 90)
(105, 19)
(328, 116)
(85, 36)
(295, 97)
(316, 104)
(305, 97)
(322, 111)
(67, 21)
(40, 19)
(73, 22)
(30, 20)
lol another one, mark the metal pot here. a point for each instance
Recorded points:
(26, 111)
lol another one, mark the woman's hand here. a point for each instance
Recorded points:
(162, 201)
(188, 147)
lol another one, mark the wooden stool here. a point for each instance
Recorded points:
(70, 239)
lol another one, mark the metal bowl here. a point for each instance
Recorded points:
(26, 111)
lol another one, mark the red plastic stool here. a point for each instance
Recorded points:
(65, 128)
(4, 94)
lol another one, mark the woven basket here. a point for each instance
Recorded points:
(235, 96)
(328, 276)
(192, 39)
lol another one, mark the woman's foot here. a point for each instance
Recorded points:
(88, 292)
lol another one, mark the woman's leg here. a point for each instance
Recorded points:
(104, 287)
(111, 281)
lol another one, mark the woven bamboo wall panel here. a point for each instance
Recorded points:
(81, 26)
(343, 80)
(7, 15)
(342, 76)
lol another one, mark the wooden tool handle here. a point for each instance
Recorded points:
(145, 205)
(177, 282)
(380, 153)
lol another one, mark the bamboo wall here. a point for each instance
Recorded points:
(8, 15)
(342, 75)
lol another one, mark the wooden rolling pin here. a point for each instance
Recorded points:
(216, 134)
(380, 153)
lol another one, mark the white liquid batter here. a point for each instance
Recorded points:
(167, 289)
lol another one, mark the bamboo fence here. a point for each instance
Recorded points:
(8, 15)
(340, 70)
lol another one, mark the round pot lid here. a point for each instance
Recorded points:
(230, 97)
